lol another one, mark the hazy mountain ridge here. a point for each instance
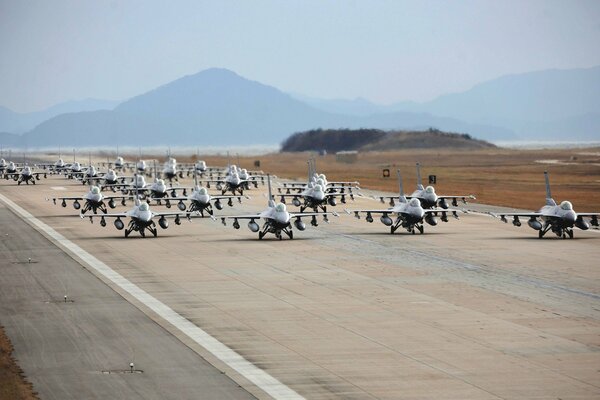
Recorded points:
(14, 122)
(541, 104)
(219, 107)
(215, 107)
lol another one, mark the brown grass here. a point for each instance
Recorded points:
(13, 384)
(504, 177)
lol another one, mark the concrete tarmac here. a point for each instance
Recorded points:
(472, 309)
(82, 346)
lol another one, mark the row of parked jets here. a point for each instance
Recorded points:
(409, 212)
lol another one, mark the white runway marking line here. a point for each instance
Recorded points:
(257, 376)
(58, 188)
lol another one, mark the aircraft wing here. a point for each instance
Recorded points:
(313, 214)
(516, 214)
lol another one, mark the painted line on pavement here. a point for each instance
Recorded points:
(257, 376)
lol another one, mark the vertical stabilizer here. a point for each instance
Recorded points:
(549, 200)
(419, 180)
(271, 201)
(137, 197)
(401, 187)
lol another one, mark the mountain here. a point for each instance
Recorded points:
(219, 107)
(356, 107)
(14, 122)
(543, 104)
(533, 96)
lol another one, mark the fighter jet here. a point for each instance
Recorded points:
(199, 201)
(25, 174)
(277, 220)
(157, 190)
(410, 214)
(233, 182)
(559, 218)
(3, 166)
(105, 179)
(315, 196)
(141, 219)
(428, 197)
(93, 200)
(330, 187)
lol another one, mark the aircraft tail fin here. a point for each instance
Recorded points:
(137, 196)
(549, 200)
(419, 180)
(401, 186)
(271, 201)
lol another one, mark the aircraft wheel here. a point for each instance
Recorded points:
(420, 228)
(143, 233)
(19, 183)
(570, 232)
(127, 231)
(260, 235)
(540, 234)
(33, 181)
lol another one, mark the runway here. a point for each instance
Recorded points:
(472, 309)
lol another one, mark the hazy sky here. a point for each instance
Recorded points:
(385, 51)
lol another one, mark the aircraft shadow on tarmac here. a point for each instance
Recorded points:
(399, 234)
(545, 239)
(265, 239)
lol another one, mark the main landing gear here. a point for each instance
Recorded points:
(134, 226)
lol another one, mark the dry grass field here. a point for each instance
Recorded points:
(505, 177)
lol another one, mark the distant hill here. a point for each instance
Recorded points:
(551, 104)
(14, 122)
(334, 140)
(217, 107)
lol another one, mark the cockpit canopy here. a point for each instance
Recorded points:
(280, 207)
(318, 188)
(429, 189)
(95, 190)
(414, 202)
(202, 190)
(144, 206)
(160, 182)
(566, 205)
